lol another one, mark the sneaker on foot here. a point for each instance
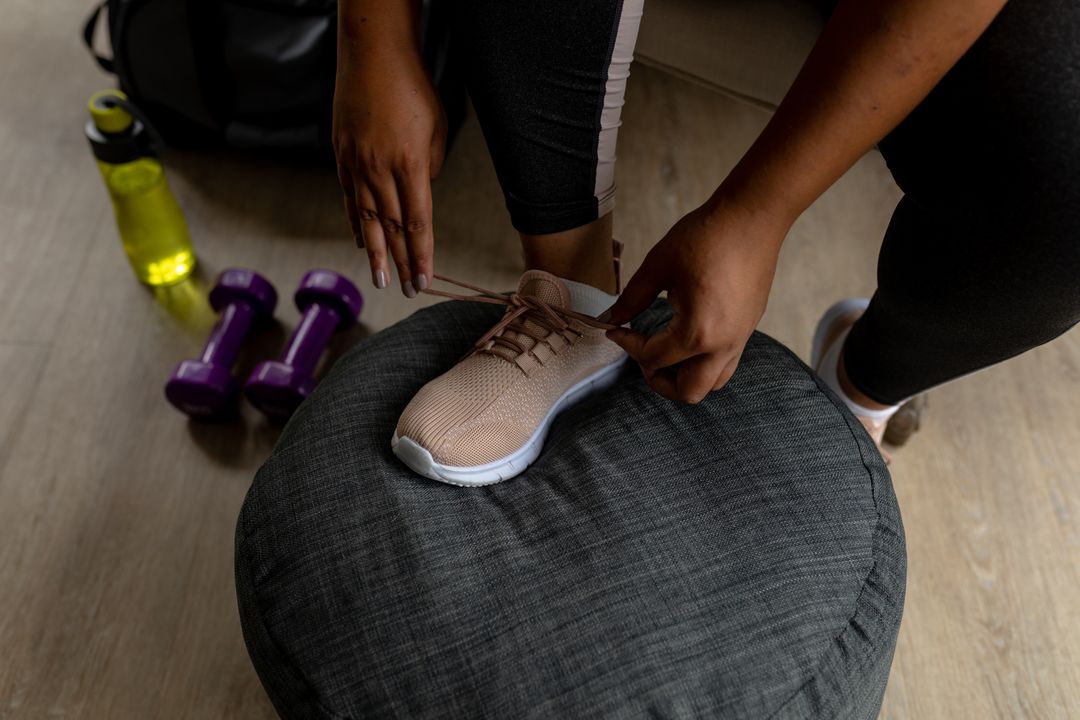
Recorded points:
(832, 330)
(485, 419)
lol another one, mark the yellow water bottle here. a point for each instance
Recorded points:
(152, 227)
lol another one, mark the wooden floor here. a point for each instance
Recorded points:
(117, 516)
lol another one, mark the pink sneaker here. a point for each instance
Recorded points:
(486, 419)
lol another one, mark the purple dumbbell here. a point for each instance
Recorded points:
(205, 388)
(329, 302)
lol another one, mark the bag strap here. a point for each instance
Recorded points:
(88, 38)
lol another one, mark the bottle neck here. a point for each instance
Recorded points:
(119, 148)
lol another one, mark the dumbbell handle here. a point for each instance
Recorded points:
(310, 337)
(223, 345)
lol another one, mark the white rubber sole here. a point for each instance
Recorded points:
(420, 461)
(826, 322)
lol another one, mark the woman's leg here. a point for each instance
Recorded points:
(982, 258)
(547, 80)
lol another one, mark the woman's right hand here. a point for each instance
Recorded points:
(389, 136)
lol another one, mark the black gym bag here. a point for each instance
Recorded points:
(249, 73)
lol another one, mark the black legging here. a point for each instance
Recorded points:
(982, 258)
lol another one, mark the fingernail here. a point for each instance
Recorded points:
(604, 316)
(410, 291)
(380, 278)
(421, 281)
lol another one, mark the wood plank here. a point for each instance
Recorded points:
(20, 367)
(51, 198)
(116, 514)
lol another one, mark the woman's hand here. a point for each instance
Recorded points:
(717, 265)
(872, 65)
(389, 137)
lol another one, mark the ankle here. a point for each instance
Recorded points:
(853, 393)
(593, 277)
(582, 254)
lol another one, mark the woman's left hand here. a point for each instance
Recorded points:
(717, 266)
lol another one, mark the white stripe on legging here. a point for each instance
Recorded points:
(618, 72)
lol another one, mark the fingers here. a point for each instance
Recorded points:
(652, 352)
(700, 375)
(390, 222)
(728, 372)
(390, 210)
(349, 197)
(372, 234)
(692, 380)
(638, 294)
(679, 363)
(414, 191)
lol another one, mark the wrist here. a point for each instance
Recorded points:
(379, 28)
(766, 222)
(760, 195)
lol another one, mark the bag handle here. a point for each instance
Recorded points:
(88, 38)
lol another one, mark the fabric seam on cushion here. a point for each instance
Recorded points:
(835, 641)
(877, 530)
(287, 660)
(844, 414)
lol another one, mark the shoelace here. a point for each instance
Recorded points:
(525, 307)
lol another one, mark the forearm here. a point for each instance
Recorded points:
(373, 27)
(874, 62)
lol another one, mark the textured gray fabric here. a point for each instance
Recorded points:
(739, 558)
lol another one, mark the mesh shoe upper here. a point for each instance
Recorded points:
(488, 405)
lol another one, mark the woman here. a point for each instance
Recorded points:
(975, 105)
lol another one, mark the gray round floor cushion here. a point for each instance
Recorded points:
(742, 558)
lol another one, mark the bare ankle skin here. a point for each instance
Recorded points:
(582, 254)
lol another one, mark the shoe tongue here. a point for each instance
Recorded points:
(547, 287)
